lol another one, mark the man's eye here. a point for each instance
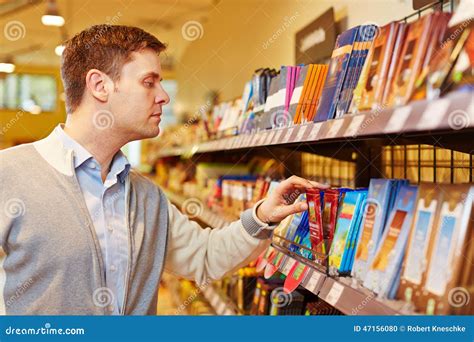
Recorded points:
(149, 84)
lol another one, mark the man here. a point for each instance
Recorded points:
(82, 233)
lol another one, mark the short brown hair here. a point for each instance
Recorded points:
(103, 47)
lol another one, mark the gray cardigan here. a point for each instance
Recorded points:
(50, 258)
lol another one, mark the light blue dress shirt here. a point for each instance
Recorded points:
(106, 204)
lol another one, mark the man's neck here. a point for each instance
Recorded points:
(102, 144)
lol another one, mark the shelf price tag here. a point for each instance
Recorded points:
(270, 136)
(354, 126)
(255, 139)
(334, 129)
(301, 132)
(288, 134)
(278, 134)
(314, 131)
(334, 294)
(312, 281)
(248, 140)
(288, 266)
(433, 115)
(263, 137)
(397, 119)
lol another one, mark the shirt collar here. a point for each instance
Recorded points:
(120, 165)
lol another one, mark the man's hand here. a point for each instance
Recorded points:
(280, 203)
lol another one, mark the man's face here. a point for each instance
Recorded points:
(138, 98)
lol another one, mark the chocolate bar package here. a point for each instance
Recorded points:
(386, 265)
(347, 227)
(447, 252)
(380, 199)
(416, 258)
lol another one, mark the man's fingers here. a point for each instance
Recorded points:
(291, 209)
(306, 183)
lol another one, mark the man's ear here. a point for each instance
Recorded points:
(97, 84)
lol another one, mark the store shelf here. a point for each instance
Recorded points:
(451, 114)
(206, 216)
(343, 293)
(220, 303)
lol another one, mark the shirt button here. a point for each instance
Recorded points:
(113, 268)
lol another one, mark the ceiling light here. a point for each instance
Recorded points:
(59, 50)
(7, 65)
(52, 17)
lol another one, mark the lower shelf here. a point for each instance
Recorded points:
(342, 293)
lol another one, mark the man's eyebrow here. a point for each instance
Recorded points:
(153, 74)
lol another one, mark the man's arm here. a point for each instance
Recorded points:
(208, 254)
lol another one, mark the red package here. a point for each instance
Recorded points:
(313, 197)
(331, 202)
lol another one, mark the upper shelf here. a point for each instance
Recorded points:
(450, 114)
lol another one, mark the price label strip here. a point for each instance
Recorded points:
(301, 131)
(270, 136)
(354, 127)
(288, 134)
(288, 266)
(311, 281)
(334, 129)
(314, 131)
(334, 294)
(433, 115)
(277, 136)
(397, 119)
